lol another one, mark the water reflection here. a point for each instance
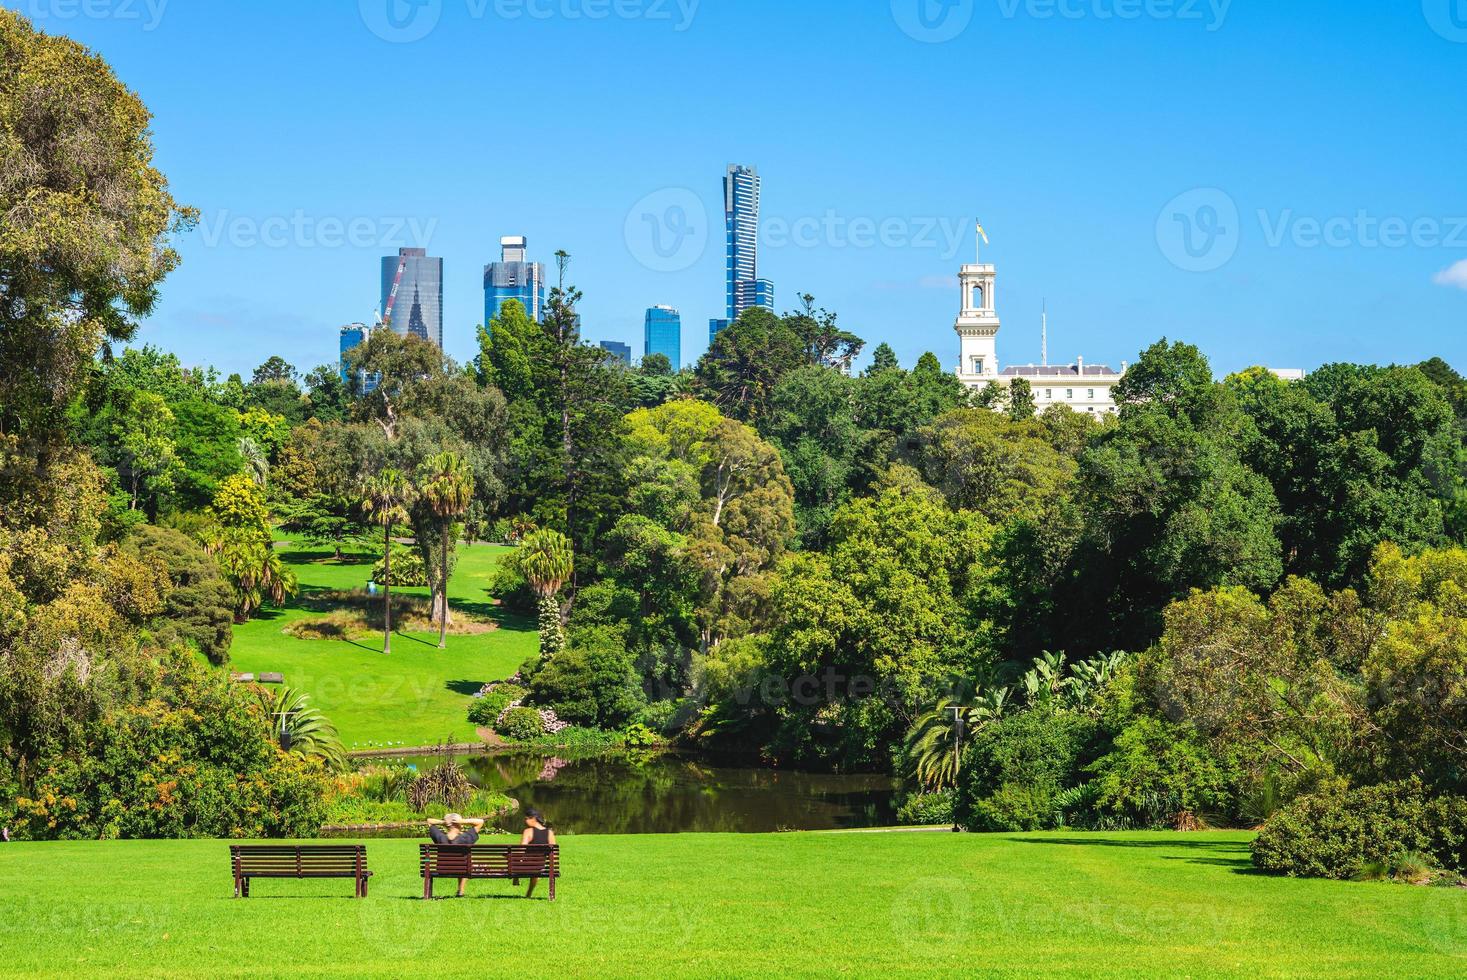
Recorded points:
(660, 792)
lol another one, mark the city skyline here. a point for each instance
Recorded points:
(1095, 202)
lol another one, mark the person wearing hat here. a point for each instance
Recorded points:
(537, 834)
(454, 829)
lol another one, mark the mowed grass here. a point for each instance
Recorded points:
(415, 696)
(865, 904)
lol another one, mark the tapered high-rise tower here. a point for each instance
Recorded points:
(745, 289)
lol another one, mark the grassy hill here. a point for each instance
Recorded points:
(733, 905)
(415, 696)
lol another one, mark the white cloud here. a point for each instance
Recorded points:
(1456, 276)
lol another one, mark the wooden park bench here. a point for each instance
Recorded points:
(507, 861)
(298, 861)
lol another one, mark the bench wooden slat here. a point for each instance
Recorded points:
(298, 861)
(488, 861)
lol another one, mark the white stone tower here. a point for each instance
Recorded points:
(977, 324)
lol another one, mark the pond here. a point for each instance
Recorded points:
(646, 792)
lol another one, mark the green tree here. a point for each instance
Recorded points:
(982, 461)
(148, 453)
(656, 365)
(199, 607)
(547, 560)
(387, 497)
(240, 537)
(1021, 403)
(447, 488)
(746, 361)
(85, 242)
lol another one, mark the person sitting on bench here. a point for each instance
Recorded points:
(537, 833)
(454, 829)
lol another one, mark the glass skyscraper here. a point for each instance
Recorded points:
(663, 334)
(353, 335)
(412, 294)
(622, 352)
(741, 217)
(514, 277)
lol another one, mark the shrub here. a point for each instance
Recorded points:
(924, 809)
(407, 569)
(1155, 777)
(444, 785)
(1340, 835)
(1447, 818)
(637, 735)
(594, 682)
(1014, 768)
(521, 725)
(486, 709)
(194, 759)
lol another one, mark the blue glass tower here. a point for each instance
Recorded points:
(663, 334)
(622, 352)
(514, 277)
(741, 218)
(353, 335)
(412, 293)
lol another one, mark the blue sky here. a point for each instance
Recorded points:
(1277, 182)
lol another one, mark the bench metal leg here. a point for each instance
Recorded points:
(552, 887)
(427, 886)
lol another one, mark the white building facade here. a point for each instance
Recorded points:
(1083, 387)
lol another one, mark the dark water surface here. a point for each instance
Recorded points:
(645, 792)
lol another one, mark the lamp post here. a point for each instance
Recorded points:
(957, 711)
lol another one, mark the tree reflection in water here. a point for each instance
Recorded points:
(649, 792)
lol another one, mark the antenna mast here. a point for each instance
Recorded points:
(1044, 334)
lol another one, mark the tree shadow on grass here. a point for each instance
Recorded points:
(466, 688)
(1238, 865)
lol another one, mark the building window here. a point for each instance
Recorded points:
(1092, 394)
(1069, 394)
(1048, 393)
(977, 365)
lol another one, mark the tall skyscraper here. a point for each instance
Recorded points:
(622, 352)
(741, 217)
(663, 334)
(353, 335)
(514, 277)
(713, 327)
(412, 293)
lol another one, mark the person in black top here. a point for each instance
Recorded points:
(454, 829)
(538, 833)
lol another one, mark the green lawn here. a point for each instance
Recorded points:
(720, 905)
(415, 696)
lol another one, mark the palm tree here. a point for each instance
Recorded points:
(256, 464)
(302, 730)
(547, 561)
(447, 487)
(932, 741)
(387, 497)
